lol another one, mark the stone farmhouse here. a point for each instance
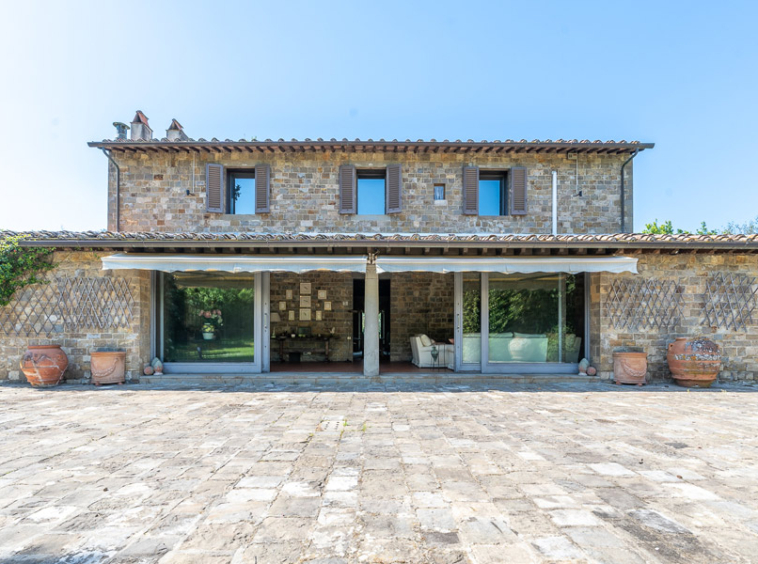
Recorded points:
(339, 259)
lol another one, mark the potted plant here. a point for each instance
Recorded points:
(44, 365)
(107, 366)
(630, 366)
(209, 331)
(214, 322)
(694, 362)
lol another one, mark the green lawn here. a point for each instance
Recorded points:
(225, 350)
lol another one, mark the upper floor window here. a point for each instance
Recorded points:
(439, 192)
(495, 193)
(371, 192)
(237, 191)
(493, 196)
(241, 192)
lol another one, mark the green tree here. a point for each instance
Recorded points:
(664, 228)
(21, 266)
(747, 228)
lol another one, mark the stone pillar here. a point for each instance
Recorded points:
(371, 329)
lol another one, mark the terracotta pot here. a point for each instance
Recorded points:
(694, 361)
(108, 367)
(44, 365)
(630, 367)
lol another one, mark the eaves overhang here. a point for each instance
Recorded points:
(470, 146)
(421, 244)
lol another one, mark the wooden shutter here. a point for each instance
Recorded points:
(348, 200)
(262, 188)
(471, 190)
(214, 188)
(518, 190)
(394, 189)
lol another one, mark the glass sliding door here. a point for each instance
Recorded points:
(210, 322)
(471, 353)
(522, 322)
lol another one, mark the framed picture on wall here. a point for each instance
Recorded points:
(289, 294)
(318, 315)
(305, 301)
(305, 288)
(327, 306)
(282, 306)
(322, 294)
(291, 315)
(305, 315)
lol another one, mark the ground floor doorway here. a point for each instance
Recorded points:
(359, 318)
(315, 322)
(210, 321)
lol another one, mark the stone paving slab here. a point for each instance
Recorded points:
(580, 473)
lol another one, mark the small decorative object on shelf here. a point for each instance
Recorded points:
(157, 366)
(107, 367)
(584, 364)
(44, 365)
(694, 362)
(630, 367)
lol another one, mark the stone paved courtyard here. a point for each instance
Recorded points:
(441, 475)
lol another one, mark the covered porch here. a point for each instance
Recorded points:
(381, 312)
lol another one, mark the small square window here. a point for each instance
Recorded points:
(241, 192)
(439, 192)
(492, 193)
(371, 192)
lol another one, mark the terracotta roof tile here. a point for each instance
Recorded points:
(497, 146)
(613, 240)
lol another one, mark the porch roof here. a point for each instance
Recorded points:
(460, 244)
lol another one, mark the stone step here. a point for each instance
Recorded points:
(326, 378)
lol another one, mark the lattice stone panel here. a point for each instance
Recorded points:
(639, 304)
(95, 303)
(730, 300)
(34, 311)
(69, 304)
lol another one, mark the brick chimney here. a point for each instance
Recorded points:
(175, 132)
(121, 129)
(140, 128)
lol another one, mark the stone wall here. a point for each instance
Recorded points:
(339, 295)
(421, 303)
(691, 272)
(40, 306)
(166, 192)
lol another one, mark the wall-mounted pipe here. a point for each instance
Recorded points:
(555, 202)
(107, 153)
(623, 193)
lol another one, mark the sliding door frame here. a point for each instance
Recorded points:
(487, 367)
(261, 334)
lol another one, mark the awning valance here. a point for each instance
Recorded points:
(507, 265)
(232, 263)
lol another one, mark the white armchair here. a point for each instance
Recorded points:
(421, 345)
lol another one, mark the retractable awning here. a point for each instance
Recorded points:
(507, 265)
(232, 263)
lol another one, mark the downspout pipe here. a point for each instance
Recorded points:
(623, 192)
(107, 153)
(555, 202)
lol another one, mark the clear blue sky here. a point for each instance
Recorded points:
(680, 74)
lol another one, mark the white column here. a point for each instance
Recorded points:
(371, 329)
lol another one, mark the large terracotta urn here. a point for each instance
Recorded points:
(107, 367)
(630, 367)
(694, 361)
(44, 365)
